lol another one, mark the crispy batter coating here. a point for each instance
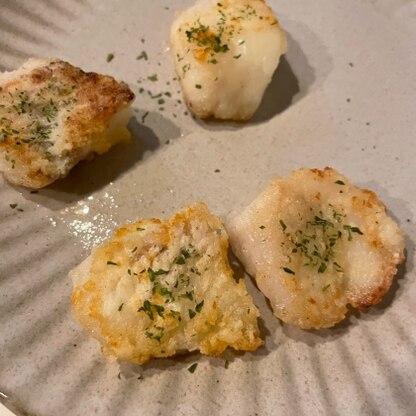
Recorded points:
(316, 243)
(160, 288)
(52, 115)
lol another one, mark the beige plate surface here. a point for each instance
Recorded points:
(343, 96)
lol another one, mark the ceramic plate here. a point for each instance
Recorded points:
(344, 96)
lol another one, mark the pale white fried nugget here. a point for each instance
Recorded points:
(225, 54)
(160, 288)
(315, 243)
(52, 115)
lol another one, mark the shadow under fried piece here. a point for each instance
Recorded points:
(279, 94)
(91, 175)
(286, 87)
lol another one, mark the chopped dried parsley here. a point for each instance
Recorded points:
(196, 271)
(192, 368)
(316, 240)
(13, 206)
(326, 287)
(156, 336)
(205, 38)
(112, 263)
(144, 116)
(42, 110)
(110, 57)
(161, 290)
(226, 364)
(237, 56)
(50, 110)
(175, 314)
(198, 86)
(152, 78)
(322, 268)
(287, 270)
(180, 260)
(199, 306)
(352, 230)
(262, 227)
(159, 310)
(339, 182)
(147, 309)
(154, 274)
(143, 55)
(120, 307)
(191, 313)
(188, 295)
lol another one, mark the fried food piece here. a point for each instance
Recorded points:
(160, 288)
(225, 55)
(316, 243)
(52, 115)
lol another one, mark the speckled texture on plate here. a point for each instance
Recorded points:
(344, 95)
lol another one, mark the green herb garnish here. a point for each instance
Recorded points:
(144, 116)
(175, 314)
(180, 260)
(191, 313)
(322, 268)
(202, 36)
(199, 306)
(147, 308)
(158, 336)
(188, 295)
(153, 274)
(325, 288)
(192, 368)
(352, 230)
(143, 55)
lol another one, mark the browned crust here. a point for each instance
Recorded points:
(87, 300)
(365, 202)
(97, 99)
